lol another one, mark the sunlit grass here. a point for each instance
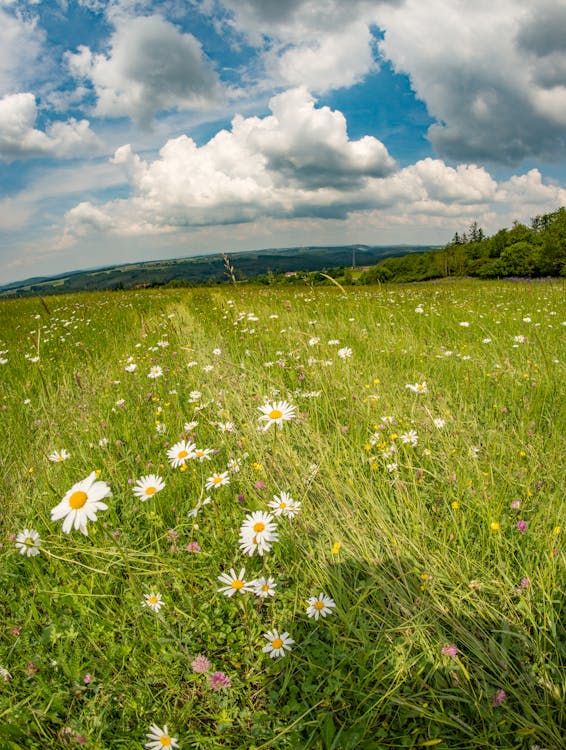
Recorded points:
(426, 534)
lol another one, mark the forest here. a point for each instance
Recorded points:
(531, 251)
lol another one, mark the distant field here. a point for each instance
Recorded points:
(402, 449)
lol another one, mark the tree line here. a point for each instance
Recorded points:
(524, 251)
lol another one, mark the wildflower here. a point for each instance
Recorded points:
(521, 526)
(264, 587)
(217, 480)
(5, 676)
(455, 505)
(345, 352)
(81, 503)
(499, 698)
(193, 547)
(203, 454)
(201, 503)
(155, 372)
(525, 583)
(87, 679)
(234, 583)
(132, 367)
(449, 650)
(439, 422)
(276, 412)
(190, 426)
(516, 504)
(257, 532)
(59, 456)
(277, 644)
(284, 505)
(494, 526)
(418, 387)
(336, 547)
(152, 601)
(28, 542)
(200, 664)
(519, 339)
(160, 738)
(218, 680)
(464, 324)
(148, 486)
(180, 453)
(409, 438)
(320, 606)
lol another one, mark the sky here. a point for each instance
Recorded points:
(134, 130)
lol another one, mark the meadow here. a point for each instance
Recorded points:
(308, 517)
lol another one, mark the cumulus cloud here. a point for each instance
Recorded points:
(21, 42)
(151, 66)
(485, 75)
(297, 163)
(493, 75)
(19, 139)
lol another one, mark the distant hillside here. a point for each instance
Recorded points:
(208, 269)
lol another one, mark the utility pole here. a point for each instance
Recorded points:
(353, 257)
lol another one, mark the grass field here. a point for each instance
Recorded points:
(423, 461)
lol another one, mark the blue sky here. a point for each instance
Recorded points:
(137, 130)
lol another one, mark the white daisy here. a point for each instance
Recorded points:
(277, 644)
(217, 480)
(409, 438)
(264, 587)
(439, 422)
(201, 503)
(190, 426)
(320, 606)
(155, 372)
(233, 583)
(59, 456)
(180, 453)
(276, 412)
(81, 503)
(284, 505)
(257, 532)
(132, 367)
(160, 738)
(417, 387)
(147, 486)
(345, 352)
(28, 542)
(203, 454)
(152, 601)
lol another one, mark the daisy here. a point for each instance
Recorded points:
(320, 606)
(132, 367)
(264, 587)
(439, 422)
(201, 503)
(257, 532)
(59, 456)
(345, 352)
(190, 426)
(180, 453)
(155, 372)
(418, 387)
(217, 480)
(81, 503)
(276, 412)
(152, 601)
(410, 437)
(284, 505)
(148, 486)
(233, 583)
(226, 426)
(159, 738)
(277, 644)
(28, 542)
(203, 454)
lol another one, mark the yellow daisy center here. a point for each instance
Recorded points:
(275, 414)
(318, 605)
(150, 490)
(217, 480)
(165, 741)
(60, 458)
(237, 584)
(282, 505)
(259, 526)
(78, 499)
(265, 587)
(182, 454)
(200, 453)
(152, 600)
(277, 643)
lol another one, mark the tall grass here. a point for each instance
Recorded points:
(444, 557)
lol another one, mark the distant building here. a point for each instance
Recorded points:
(290, 273)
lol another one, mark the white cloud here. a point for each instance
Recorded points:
(297, 164)
(20, 140)
(484, 74)
(151, 67)
(21, 42)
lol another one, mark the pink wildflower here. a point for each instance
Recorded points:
(193, 547)
(200, 664)
(449, 650)
(522, 526)
(218, 680)
(499, 698)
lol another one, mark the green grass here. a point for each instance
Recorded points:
(430, 551)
